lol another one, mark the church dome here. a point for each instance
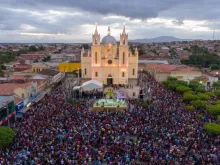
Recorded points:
(109, 39)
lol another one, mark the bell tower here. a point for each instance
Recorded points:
(124, 37)
(96, 37)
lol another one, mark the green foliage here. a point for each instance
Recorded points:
(46, 58)
(216, 84)
(41, 48)
(6, 136)
(199, 103)
(217, 93)
(194, 85)
(182, 89)
(204, 60)
(218, 117)
(214, 109)
(210, 94)
(212, 128)
(188, 97)
(1, 73)
(166, 82)
(173, 86)
(6, 57)
(215, 66)
(216, 102)
(200, 90)
(189, 108)
(172, 79)
(181, 82)
(203, 96)
(33, 48)
(85, 46)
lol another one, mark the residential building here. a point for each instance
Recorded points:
(182, 72)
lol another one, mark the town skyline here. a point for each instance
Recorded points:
(74, 22)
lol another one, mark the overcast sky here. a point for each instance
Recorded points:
(74, 20)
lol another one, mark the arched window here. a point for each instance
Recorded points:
(123, 58)
(96, 58)
(133, 72)
(123, 41)
(96, 74)
(85, 71)
(123, 74)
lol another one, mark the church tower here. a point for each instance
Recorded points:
(123, 55)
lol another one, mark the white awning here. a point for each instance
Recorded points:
(76, 87)
(92, 84)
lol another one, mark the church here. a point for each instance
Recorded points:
(110, 62)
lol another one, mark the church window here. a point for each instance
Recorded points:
(133, 72)
(123, 41)
(85, 71)
(123, 74)
(95, 40)
(96, 58)
(123, 58)
(96, 74)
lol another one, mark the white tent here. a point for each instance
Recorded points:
(92, 84)
(76, 87)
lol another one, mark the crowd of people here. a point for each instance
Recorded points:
(54, 132)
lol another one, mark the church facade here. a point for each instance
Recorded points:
(109, 62)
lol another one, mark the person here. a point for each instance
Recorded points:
(51, 132)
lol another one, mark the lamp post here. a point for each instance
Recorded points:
(6, 104)
(141, 76)
(78, 76)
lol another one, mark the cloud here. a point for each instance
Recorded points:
(71, 20)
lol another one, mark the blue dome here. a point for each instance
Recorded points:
(109, 39)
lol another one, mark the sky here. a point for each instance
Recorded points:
(74, 21)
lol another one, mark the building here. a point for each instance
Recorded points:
(33, 56)
(69, 66)
(109, 62)
(53, 76)
(22, 90)
(38, 67)
(182, 72)
(7, 109)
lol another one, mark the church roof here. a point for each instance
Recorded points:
(109, 39)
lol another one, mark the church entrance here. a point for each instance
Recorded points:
(109, 80)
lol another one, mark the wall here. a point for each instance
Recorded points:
(69, 67)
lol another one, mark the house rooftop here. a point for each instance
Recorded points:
(49, 72)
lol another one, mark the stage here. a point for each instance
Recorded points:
(109, 104)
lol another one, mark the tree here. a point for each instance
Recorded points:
(6, 136)
(199, 103)
(46, 58)
(215, 66)
(85, 46)
(204, 96)
(212, 128)
(189, 108)
(217, 93)
(1, 73)
(182, 89)
(216, 84)
(188, 97)
(33, 48)
(214, 109)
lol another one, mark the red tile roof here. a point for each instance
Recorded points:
(8, 88)
(170, 68)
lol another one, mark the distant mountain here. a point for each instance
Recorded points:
(159, 39)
